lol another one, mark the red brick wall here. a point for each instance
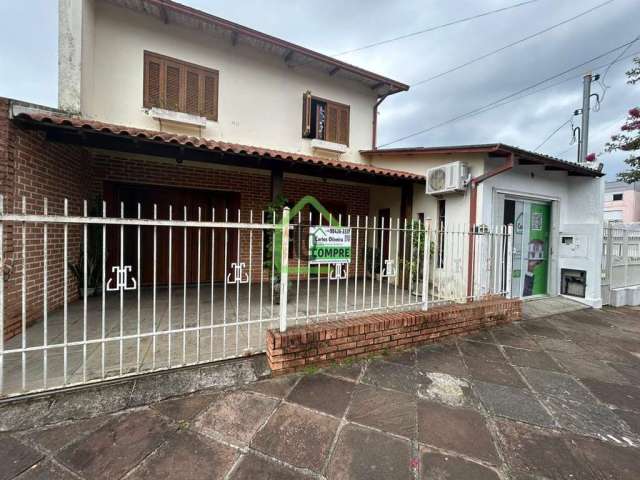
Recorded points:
(321, 343)
(36, 168)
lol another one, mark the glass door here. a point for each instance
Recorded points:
(531, 233)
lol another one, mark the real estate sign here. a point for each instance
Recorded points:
(329, 244)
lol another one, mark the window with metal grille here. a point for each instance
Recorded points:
(325, 120)
(180, 86)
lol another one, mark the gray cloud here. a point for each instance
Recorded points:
(29, 61)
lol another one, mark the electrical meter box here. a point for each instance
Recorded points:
(573, 245)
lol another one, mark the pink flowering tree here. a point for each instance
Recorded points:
(628, 140)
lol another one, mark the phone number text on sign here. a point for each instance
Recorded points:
(329, 244)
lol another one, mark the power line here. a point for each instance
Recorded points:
(552, 134)
(433, 28)
(496, 102)
(601, 82)
(509, 45)
(555, 84)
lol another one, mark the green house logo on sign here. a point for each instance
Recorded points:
(329, 244)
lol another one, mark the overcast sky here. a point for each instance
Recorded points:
(28, 61)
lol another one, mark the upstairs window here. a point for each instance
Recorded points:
(617, 197)
(180, 86)
(325, 120)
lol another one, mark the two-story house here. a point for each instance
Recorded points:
(161, 104)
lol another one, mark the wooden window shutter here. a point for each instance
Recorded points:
(153, 76)
(306, 114)
(173, 87)
(343, 125)
(210, 96)
(331, 129)
(192, 93)
(180, 86)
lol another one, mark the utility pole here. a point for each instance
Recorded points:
(583, 142)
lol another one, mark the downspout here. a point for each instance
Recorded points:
(374, 136)
(473, 213)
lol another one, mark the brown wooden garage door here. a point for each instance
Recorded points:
(178, 198)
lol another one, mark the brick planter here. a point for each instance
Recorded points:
(320, 343)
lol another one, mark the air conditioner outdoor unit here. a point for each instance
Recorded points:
(451, 177)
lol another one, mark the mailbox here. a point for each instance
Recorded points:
(572, 245)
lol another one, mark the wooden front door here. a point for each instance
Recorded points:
(179, 199)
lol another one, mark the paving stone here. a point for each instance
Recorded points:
(456, 429)
(561, 345)
(185, 408)
(485, 351)
(297, 436)
(514, 336)
(187, 455)
(55, 438)
(45, 470)
(625, 397)
(436, 466)
(586, 366)
(630, 372)
(16, 457)
(606, 461)
(632, 419)
(585, 418)
(447, 389)
(391, 375)
(481, 336)
(607, 351)
(405, 357)
(515, 403)
(252, 467)
(540, 328)
(443, 360)
(363, 454)
(386, 410)
(235, 416)
(327, 394)
(556, 384)
(348, 370)
(494, 372)
(538, 452)
(531, 358)
(278, 387)
(116, 447)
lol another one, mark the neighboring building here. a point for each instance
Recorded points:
(554, 205)
(622, 202)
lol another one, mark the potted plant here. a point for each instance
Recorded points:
(373, 263)
(274, 215)
(94, 256)
(93, 274)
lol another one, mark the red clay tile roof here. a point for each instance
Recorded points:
(213, 145)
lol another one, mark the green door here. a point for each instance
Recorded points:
(537, 252)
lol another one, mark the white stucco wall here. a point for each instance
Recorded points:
(260, 97)
(576, 207)
(457, 204)
(576, 204)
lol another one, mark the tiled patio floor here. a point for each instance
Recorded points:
(555, 398)
(217, 340)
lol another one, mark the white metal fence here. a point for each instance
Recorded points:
(620, 256)
(88, 297)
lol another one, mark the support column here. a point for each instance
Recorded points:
(277, 183)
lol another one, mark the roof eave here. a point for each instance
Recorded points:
(392, 86)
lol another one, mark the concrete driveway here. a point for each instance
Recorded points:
(555, 397)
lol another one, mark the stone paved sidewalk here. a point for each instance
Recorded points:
(556, 397)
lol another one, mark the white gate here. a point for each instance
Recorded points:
(620, 258)
(86, 297)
